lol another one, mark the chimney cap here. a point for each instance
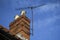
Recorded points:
(23, 12)
(17, 16)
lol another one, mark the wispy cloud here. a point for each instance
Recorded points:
(45, 19)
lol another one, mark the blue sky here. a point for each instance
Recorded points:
(46, 17)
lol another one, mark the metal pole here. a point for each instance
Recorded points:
(32, 21)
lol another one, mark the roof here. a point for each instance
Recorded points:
(3, 28)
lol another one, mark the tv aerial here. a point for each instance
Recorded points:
(31, 7)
